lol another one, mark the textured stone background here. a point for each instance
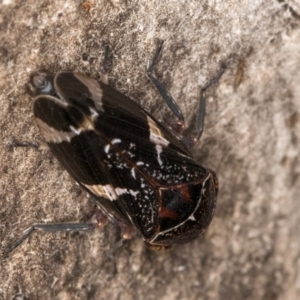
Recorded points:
(251, 139)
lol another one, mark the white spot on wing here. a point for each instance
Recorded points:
(159, 151)
(121, 191)
(133, 173)
(113, 142)
(94, 113)
(76, 131)
(106, 148)
(107, 191)
(110, 191)
(134, 193)
(156, 136)
(116, 141)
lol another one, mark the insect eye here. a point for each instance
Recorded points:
(40, 83)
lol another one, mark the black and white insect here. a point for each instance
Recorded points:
(138, 171)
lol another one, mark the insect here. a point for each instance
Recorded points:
(138, 171)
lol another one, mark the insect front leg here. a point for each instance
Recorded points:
(35, 145)
(104, 65)
(192, 134)
(179, 123)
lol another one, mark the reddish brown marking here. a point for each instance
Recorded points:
(166, 213)
(185, 193)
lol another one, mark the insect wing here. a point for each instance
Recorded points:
(116, 151)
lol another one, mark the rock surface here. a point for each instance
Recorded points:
(251, 139)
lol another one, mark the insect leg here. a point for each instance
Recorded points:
(196, 128)
(36, 145)
(98, 219)
(104, 67)
(53, 228)
(101, 217)
(179, 124)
